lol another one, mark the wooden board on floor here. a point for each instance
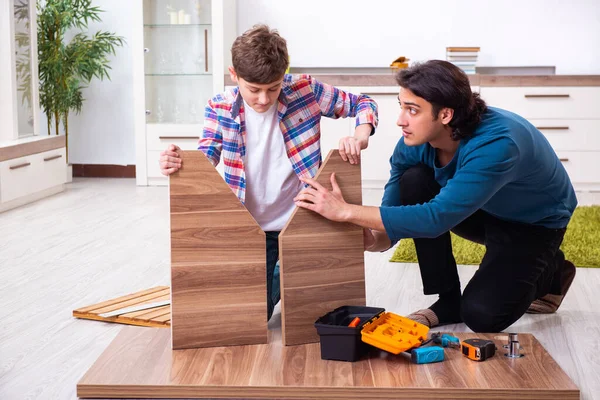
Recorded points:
(139, 363)
(322, 262)
(159, 317)
(218, 261)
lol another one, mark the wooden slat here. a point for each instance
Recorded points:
(218, 257)
(149, 298)
(148, 314)
(322, 262)
(139, 318)
(123, 299)
(140, 364)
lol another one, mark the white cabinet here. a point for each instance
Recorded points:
(186, 45)
(562, 102)
(31, 177)
(568, 117)
(31, 166)
(332, 130)
(376, 158)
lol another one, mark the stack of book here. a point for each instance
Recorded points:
(463, 57)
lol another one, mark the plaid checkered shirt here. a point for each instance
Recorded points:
(301, 104)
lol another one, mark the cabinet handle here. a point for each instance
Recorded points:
(178, 137)
(563, 159)
(553, 128)
(529, 96)
(53, 157)
(206, 50)
(20, 165)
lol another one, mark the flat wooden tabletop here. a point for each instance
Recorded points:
(139, 363)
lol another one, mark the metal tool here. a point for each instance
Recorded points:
(427, 355)
(140, 307)
(478, 349)
(446, 340)
(513, 346)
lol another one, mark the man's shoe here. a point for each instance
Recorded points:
(426, 317)
(549, 303)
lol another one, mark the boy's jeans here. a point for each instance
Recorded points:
(273, 293)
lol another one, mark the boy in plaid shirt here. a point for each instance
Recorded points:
(267, 131)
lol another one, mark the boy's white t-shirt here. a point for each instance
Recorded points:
(271, 183)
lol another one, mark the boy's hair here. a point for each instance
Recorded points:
(445, 85)
(260, 55)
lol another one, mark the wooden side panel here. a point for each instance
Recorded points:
(218, 257)
(322, 262)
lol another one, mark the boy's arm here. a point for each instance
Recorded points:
(211, 141)
(335, 103)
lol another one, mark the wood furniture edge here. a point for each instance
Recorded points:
(18, 150)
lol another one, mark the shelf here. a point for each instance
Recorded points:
(174, 25)
(167, 74)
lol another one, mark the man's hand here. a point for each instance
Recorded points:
(169, 160)
(329, 204)
(351, 146)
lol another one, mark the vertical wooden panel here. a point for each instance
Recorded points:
(322, 262)
(218, 257)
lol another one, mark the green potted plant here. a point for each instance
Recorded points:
(65, 68)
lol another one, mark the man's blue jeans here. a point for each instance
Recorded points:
(273, 293)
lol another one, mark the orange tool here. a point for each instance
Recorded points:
(354, 323)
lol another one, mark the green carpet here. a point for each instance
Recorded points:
(581, 244)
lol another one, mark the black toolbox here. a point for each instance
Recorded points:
(338, 340)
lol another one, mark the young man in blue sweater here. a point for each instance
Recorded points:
(487, 175)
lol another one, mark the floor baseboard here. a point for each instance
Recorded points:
(103, 171)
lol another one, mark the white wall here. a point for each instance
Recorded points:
(355, 33)
(103, 132)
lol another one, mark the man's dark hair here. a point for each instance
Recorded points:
(260, 55)
(444, 85)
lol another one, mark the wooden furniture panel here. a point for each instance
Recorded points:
(27, 147)
(322, 262)
(159, 317)
(140, 364)
(540, 80)
(218, 261)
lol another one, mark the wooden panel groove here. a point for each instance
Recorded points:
(322, 262)
(218, 257)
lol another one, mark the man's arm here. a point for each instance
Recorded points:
(211, 141)
(484, 173)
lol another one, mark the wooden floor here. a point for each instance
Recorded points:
(103, 238)
(275, 371)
